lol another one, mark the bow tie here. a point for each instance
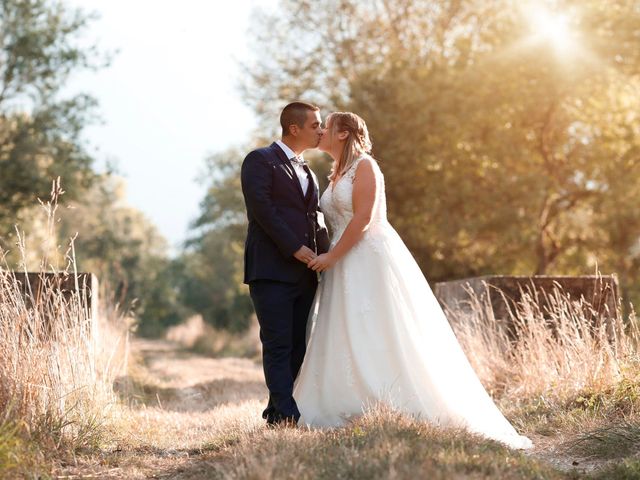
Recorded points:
(298, 160)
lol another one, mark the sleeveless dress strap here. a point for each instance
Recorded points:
(351, 173)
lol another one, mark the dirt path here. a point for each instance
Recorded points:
(184, 409)
(181, 406)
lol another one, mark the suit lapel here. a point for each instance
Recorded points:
(283, 159)
(290, 170)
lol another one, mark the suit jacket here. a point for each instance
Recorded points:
(281, 218)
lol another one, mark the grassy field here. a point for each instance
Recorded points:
(191, 417)
(77, 406)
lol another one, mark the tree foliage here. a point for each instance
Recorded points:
(39, 130)
(127, 253)
(41, 139)
(212, 263)
(502, 152)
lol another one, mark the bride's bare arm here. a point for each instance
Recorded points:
(363, 198)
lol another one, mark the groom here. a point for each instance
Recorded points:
(286, 231)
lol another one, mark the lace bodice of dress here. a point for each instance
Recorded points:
(336, 202)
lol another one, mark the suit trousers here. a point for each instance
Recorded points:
(283, 310)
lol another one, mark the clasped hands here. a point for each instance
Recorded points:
(317, 263)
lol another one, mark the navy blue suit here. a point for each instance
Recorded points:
(281, 220)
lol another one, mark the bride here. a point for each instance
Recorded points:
(379, 334)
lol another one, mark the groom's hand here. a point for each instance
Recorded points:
(322, 262)
(305, 254)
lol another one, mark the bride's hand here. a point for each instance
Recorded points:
(322, 262)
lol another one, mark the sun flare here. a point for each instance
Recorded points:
(551, 27)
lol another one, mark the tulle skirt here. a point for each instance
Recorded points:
(378, 335)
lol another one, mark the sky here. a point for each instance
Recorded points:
(168, 99)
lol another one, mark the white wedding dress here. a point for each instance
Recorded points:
(378, 334)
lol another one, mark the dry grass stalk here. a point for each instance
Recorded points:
(557, 350)
(55, 373)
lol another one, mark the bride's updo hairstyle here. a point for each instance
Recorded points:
(357, 143)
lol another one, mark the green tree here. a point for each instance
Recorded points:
(501, 154)
(39, 131)
(213, 261)
(127, 253)
(40, 140)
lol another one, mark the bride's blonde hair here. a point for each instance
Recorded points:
(357, 144)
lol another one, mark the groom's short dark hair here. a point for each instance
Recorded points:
(295, 114)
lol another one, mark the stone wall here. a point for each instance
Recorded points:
(37, 287)
(601, 292)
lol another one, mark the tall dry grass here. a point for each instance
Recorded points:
(555, 347)
(554, 359)
(211, 407)
(57, 363)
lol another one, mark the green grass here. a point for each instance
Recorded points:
(18, 458)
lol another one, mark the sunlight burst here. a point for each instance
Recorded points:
(551, 27)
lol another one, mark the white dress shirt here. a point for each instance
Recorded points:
(302, 175)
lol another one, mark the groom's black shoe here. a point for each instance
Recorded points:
(277, 420)
(269, 413)
(285, 423)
